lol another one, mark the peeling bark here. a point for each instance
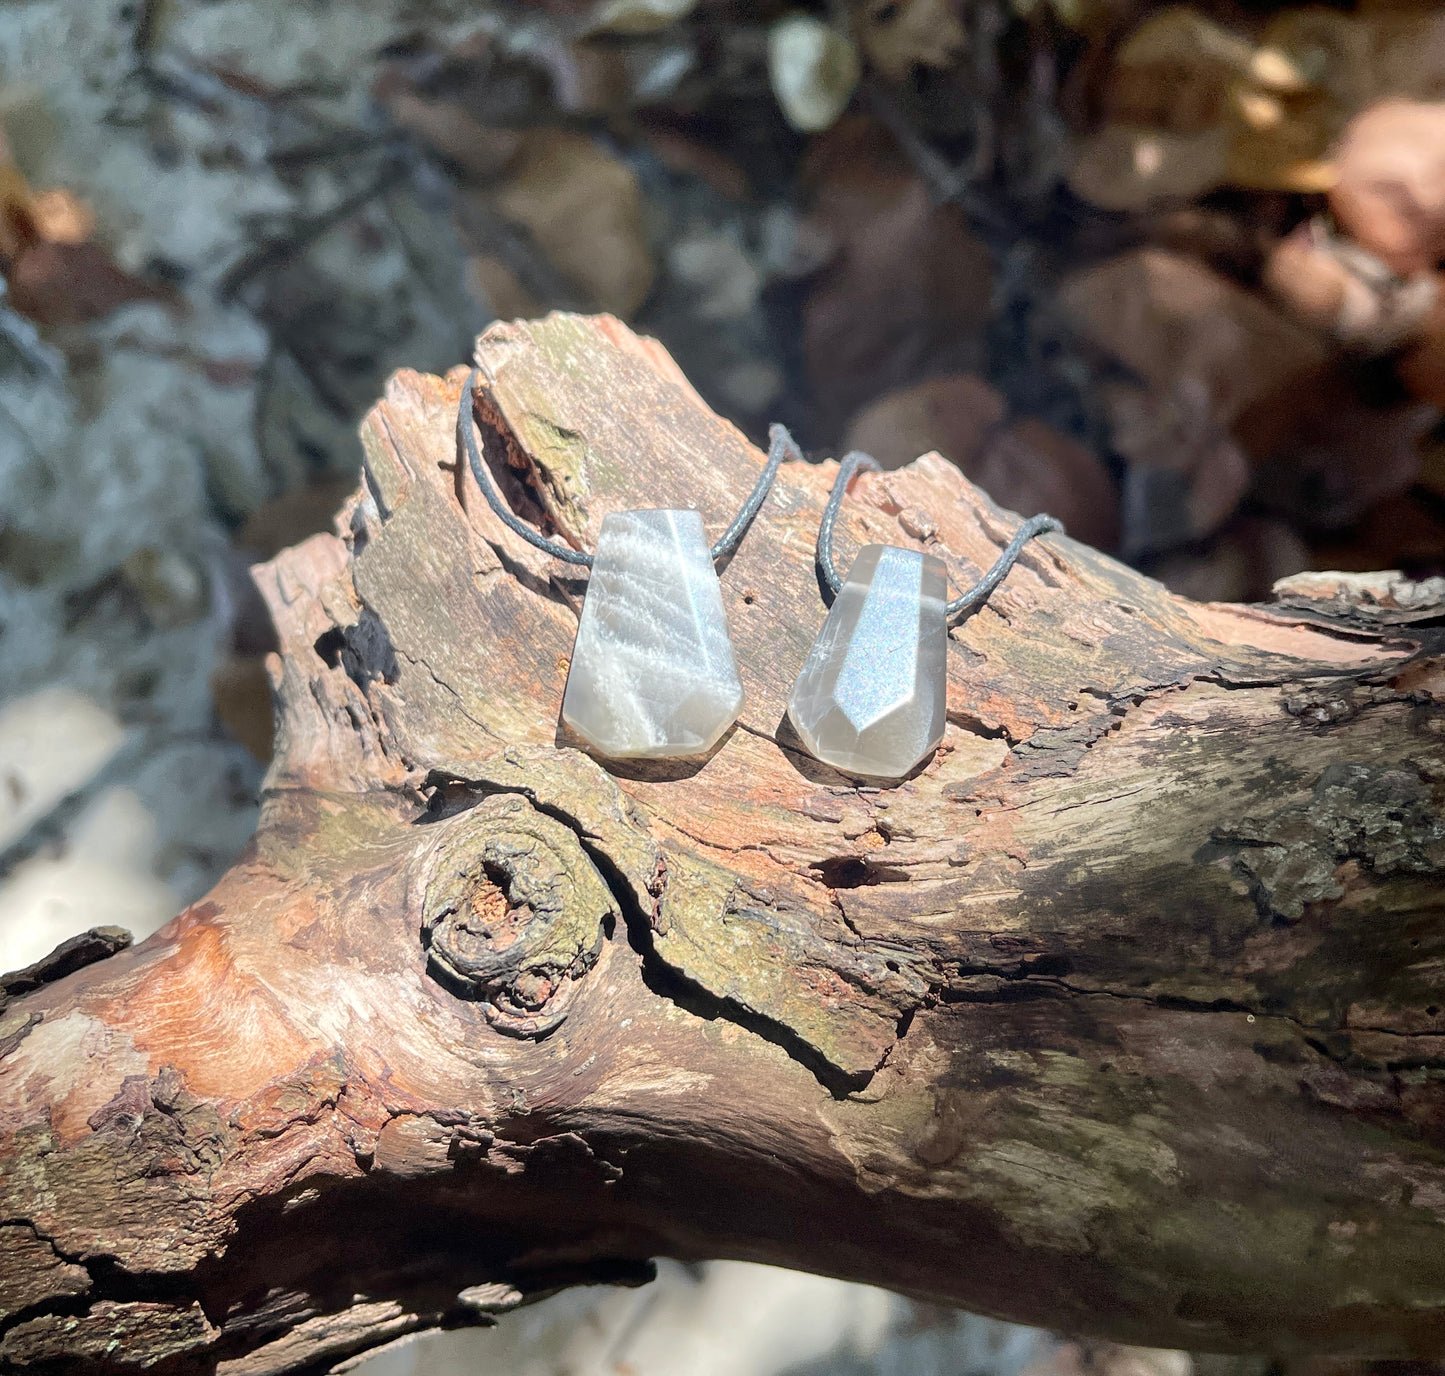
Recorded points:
(1123, 1015)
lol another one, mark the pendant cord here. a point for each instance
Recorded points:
(467, 431)
(780, 446)
(855, 462)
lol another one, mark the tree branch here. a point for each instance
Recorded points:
(1124, 1015)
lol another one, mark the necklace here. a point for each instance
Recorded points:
(871, 696)
(653, 674)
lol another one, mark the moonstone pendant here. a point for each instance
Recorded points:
(653, 674)
(871, 696)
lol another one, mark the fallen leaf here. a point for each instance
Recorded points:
(1123, 167)
(280, 522)
(1174, 72)
(1030, 467)
(1026, 466)
(954, 415)
(1344, 290)
(63, 283)
(481, 151)
(1389, 191)
(61, 217)
(1325, 453)
(640, 16)
(241, 694)
(583, 208)
(813, 68)
(907, 292)
(1170, 318)
(500, 289)
(1403, 532)
(1244, 562)
(1187, 474)
(899, 36)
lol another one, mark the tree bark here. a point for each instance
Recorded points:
(1124, 1015)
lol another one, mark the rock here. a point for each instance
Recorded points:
(1389, 191)
(872, 693)
(653, 674)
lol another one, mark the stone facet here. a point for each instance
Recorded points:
(870, 699)
(653, 674)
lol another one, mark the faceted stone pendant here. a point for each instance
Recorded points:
(871, 696)
(653, 674)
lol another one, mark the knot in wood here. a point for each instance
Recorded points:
(514, 913)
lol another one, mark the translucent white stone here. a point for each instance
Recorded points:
(653, 674)
(871, 696)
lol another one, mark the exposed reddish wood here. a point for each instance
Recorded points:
(1124, 1015)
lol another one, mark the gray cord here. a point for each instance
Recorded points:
(467, 431)
(780, 445)
(976, 596)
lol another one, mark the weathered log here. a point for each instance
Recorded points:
(1124, 1015)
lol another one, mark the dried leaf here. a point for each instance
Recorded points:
(479, 150)
(62, 284)
(495, 284)
(1403, 532)
(1170, 319)
(1390, 183)
(1245, 561)
(954, 415)
(583, 208)
(241, 694)
(899, 36)
(907, 292)
(1127, 168)
(1174, 73)
(61, 217)
(1325, 453)
(1027, 465)
(1421, 366)
(1345, 291)
(640, 16)
(1187, 474)
(1030, 467)
(813, 69)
